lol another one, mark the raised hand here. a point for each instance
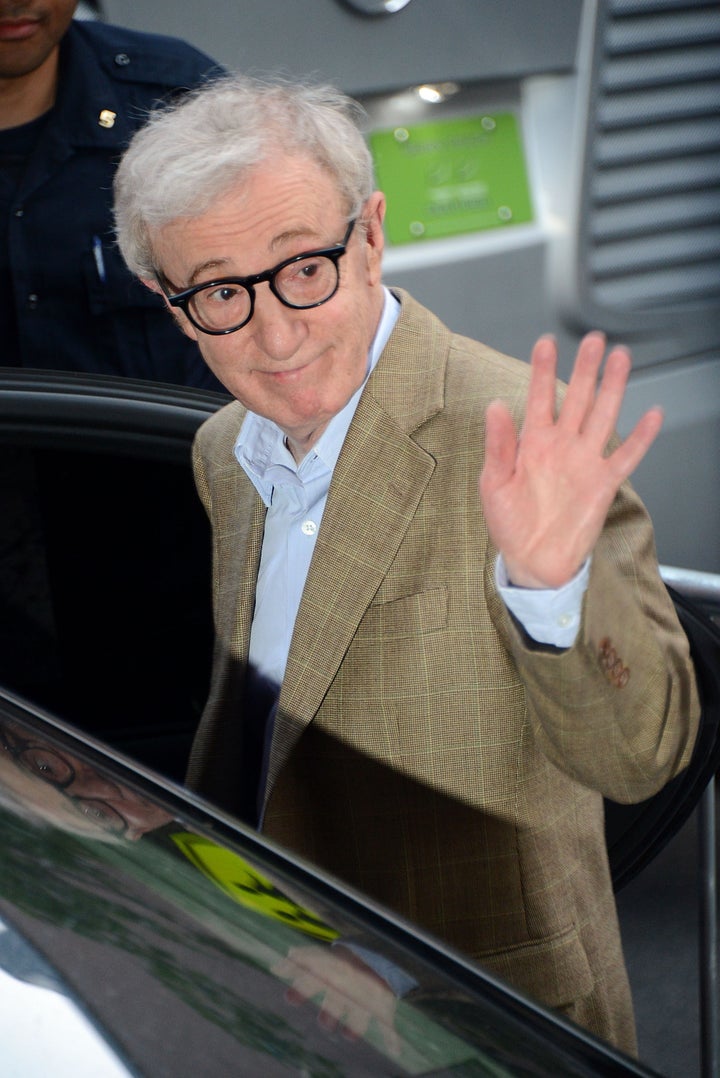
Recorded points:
(350, 995)
(546, 493)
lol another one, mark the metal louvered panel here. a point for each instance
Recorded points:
(658, 142)
(641, 181)
(635, 108)
(669, 214)
(649, 212)
(656, 68)
(651, 27)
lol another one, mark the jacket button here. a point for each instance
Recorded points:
(122, 59)
(32, 300)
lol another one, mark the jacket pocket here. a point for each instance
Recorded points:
(554, 970)
(412, 614)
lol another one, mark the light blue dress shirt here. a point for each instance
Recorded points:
(295, 496)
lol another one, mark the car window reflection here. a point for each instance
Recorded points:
(70, 793)
(355, 992)
(282, 968)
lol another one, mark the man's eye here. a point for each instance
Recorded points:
(308, 270)
(224, 294)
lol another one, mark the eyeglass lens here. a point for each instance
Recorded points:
(47, 764)
(304, 283)
(51, 767)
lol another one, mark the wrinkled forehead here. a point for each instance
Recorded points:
(275, 211)
(260, 182)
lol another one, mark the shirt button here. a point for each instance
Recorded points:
(308, 527)
(564, 620)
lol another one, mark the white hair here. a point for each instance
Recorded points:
(191, 152)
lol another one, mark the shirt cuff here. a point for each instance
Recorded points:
(548, 615)
(398, 981)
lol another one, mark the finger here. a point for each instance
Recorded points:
(602, 419)
(391, 1039)
(357, 1022)
(540, 406)
(582, 387)
(327, 1020)
(334, 1006)
(501, 444)
(625, 459)
(304, 986)
(356, 1026)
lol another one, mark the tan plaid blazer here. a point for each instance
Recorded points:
(424, 751)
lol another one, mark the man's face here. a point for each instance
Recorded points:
(71, 794)
(296, 367)
(30, 31)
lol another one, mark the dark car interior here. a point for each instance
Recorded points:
(105, 613)
(106, 618)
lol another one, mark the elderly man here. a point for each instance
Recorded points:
(426, 693)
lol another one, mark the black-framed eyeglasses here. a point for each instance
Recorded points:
(50, 766)
(227, 304)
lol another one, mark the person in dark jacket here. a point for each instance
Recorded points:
(71, 95)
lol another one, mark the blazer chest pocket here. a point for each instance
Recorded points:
(410, 615)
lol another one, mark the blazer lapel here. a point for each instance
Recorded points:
(379, 479)
(243, 531)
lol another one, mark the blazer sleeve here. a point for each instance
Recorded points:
(619, 710)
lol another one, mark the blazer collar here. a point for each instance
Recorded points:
(409, 380)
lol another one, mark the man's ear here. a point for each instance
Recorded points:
(184, 323)
(373, 217)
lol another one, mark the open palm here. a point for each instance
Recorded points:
(546, 493)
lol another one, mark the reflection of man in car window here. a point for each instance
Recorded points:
(69, 792)
(43, 780)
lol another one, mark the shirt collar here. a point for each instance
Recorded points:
(260, 445)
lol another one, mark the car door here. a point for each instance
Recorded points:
(104, 557)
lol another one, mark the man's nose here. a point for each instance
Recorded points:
(278, 330)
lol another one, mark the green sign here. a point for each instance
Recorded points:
(452, 176)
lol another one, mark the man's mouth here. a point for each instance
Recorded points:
(287, 374)
(17, 29)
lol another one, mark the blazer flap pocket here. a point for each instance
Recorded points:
(554, 969)
(410, 615)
